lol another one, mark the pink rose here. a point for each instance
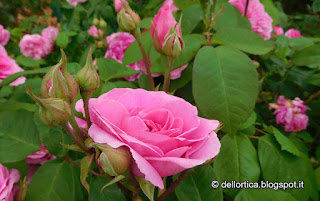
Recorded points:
(260, 20)
(35, 46)
(118, 5)
(50, 33)
(4, 36)
(93, 31)
(278, 31)
(7, 179)
(119, 43)
(171, 5)
(161, 25)
(74, 3)
(39, 157)
(163, 132)
(290, 114)
(292, 33)
(8, 67)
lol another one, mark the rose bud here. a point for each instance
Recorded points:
(88, 78)
(127, 19)
(173, 45)
(58, 83)
(96, 22)
(102, 24)
(115, 161)
(53, 111)
(165, 32)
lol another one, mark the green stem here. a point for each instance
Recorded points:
(85, 97)
(245, 11)
(137, 35)
(167, 76)
(74, 137)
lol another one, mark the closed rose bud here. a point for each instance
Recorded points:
(88, 78)
(173, 45)
(115, 161)
(59, 83)
(96, 22)
(165, 32)
(118, 5)
(102, 24)
(53, 111)
(127, 19)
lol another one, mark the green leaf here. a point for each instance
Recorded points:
(52, 137)
(147, 187)
(110, 193)
(85, 163)
(301, 42)
(317, 174)
(13, 105)
(243, 39)
(192, 42)
(285, 143)
(133, 53)
(263, 195)
(18, 136)
(225, 85)
(250, 121)
(185, 78)
(21, 166)
(281, 166)
(237, 161)
(73, 68)
(26, 61)
(62, 39)
(305, 135)
(314, 79)
(191, 16)
(146, 23)
(34, 84)
(309, 56)
(197, 186)
(117, 84)
(231, 17)
(53, 181)
(110, 69)
(15, 76)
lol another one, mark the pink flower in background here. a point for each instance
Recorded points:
(290, 114)
(8, 67)
(50, 33)
(260, 20)
(292, 33)
(74, 3)
(4, 36)
(171, 5)
(278, 30)
(163, 132)
(93, 31)
(7, 180)
(119, 43)
(35, 46)
(39, 157)
(118, 5)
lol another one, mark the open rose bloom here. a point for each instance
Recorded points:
(290, 114)
(163, 132)
(4, 36)
(7, 180)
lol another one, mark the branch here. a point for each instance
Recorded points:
(312, 98)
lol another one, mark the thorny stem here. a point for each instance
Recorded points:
(312, 98)
(76, 139)
(137, 35)
(174, 184)
(261, 131)
(167, 76)
(85, 97)
(66, 158)
(245, 11)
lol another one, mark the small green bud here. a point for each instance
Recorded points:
(88, 78)
(173, 45)
(102, 24)
(99, 44)
(53, 111)
(115, 161)
(96, 22)
(127, 19)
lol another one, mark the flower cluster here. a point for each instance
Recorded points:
(8, 67)
(260, 20)
(290, 114)
(291, 33)
(38, 46)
